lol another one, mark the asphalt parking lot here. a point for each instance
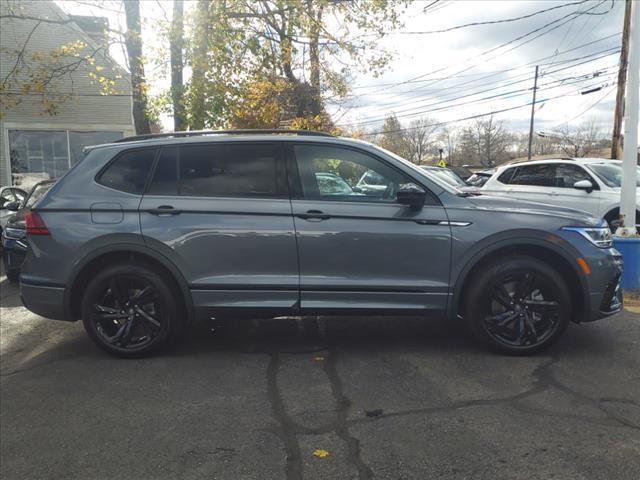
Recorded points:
(383, 398)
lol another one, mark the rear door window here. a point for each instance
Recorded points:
(535, 175)
(230, 170)
(129, 171)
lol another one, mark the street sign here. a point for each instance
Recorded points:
(442, 164)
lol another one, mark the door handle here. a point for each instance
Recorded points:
(164, 211)
(313, 215)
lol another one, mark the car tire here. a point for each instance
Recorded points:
(132, 310)
(517, 305)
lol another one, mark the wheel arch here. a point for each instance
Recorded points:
(98, 258)
(560, 259)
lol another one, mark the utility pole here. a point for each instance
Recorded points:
(616, 144)
(533, 111)
(629, 162)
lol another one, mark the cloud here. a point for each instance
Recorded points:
(458, 55)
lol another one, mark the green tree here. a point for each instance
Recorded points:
(393, 137)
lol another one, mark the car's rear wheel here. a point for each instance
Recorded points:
(131, 310)
(518, 305)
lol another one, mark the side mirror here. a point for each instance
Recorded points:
(13, 206)
(584, 185)
(412, 195)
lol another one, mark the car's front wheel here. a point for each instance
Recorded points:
(131, 310)
(518, 305)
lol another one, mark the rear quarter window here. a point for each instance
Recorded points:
(128, 172)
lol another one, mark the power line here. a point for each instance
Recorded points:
(489, 22)
(504, 96)
(486, 52)
(418, 104)
(512, 81)
(471, 117)
(606, 94)
(534, 62)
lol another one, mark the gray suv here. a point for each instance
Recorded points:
(149, 233)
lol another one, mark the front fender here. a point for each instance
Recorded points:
(520, 239)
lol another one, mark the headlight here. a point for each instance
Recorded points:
(599, 236)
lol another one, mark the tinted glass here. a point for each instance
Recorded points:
(567, 175)
(537, 175)
(228, 170)
(505, 177)
(129, 171)
(165, 177)
(363, 178)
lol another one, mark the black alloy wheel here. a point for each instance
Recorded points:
(522, 311)
(130, 310)
(518, 305)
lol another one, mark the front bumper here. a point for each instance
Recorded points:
(46, 301)
(605, 297)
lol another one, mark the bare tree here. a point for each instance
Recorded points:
(581, 140)
(419, 139)
(448, 137)
(493, 141)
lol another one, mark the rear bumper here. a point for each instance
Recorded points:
(46, 301)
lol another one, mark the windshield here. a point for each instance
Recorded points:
(448, 176)
(36, 194)
(611, 173)
(434, 178)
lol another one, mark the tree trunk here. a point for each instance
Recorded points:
(199, 66)
(177, 65)
(133, 42)
(314, 57)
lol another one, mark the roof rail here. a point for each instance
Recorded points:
(538, 160)
(195, 133)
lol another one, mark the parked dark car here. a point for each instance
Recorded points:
(146, 234)
(14, 235)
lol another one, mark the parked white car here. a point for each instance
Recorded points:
(588, 184)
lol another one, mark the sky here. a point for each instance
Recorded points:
(449, 76)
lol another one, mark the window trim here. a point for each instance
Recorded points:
(106, 166)
(282, 190)
(295, 183)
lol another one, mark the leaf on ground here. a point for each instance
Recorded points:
(320, 453)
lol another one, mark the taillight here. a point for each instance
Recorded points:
(35, 224)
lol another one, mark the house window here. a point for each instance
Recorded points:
(42, 154)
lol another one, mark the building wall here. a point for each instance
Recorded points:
(85, 109)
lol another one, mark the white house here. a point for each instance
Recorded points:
(36, 143)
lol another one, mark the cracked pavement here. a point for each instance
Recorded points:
(386, 397)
